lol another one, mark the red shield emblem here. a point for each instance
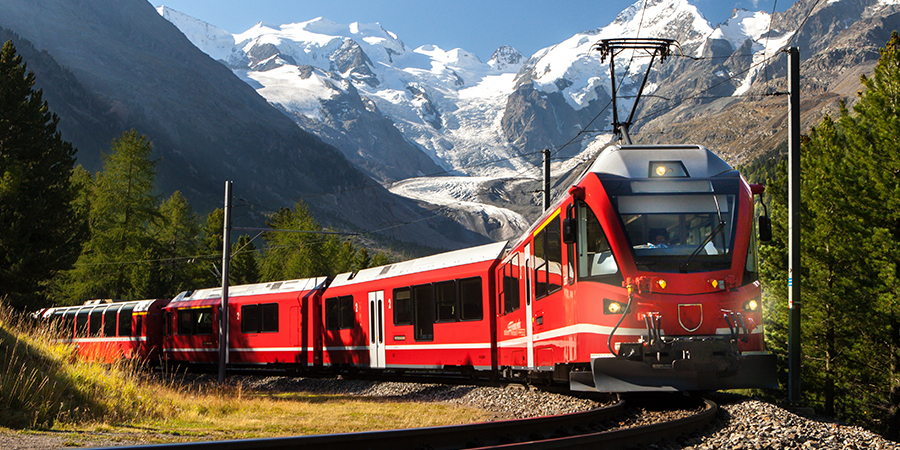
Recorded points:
(690, 316)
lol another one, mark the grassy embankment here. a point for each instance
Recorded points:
(45, 386)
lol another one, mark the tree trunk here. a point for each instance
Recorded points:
(893, 420)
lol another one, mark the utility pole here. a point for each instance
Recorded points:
(223, 305)
(794, 261)
(546, 153)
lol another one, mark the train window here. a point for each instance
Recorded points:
(470, 299)
(511, 298)
(125, 320)
(423, 298)
(81, 323)
(185, 322)
(203, 321)
(751, 267)
(109, 320)
(96, 320)
(259, 318)
(596, 261)
(195, 321)
(679, 227)
(269, 321)
(250, 319)
(445, 301)
(548, 259)
(348, 318)
(58, 323)
(69, 324)
(339, 314)
(139, 325)
(402, 307)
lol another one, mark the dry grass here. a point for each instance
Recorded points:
(45, 386)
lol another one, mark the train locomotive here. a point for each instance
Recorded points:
(643, 277)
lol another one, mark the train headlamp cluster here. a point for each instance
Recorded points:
(751, 305)
(667, 169)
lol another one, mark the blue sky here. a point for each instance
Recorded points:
(479, 26)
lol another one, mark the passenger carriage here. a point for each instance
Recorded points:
(106, 331)
(428, 313)
(274, 323)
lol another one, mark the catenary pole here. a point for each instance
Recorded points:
(794, 261)
(546, 153)
(223, 306)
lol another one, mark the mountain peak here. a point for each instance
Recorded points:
(506, 58)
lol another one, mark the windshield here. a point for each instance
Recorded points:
(682, 231)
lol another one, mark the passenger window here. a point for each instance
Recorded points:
(402, 307)
(195, 321)
(511, 298)
(81, 323)
(125, 320)
(445, 301)
(109, 320)
(259, 318)
(548, 259)
(470, 299)
(339, 314)
(595, 257)
(269, 320)
(96, 321)
(250, 319)
(204, 321)
(423, 296)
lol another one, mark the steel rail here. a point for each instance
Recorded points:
(568, 431)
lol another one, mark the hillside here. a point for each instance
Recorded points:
(109, 66)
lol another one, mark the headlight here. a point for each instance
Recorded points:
(612, 307)
(751, 305)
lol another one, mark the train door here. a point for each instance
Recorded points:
(529, 324)
(376, 329)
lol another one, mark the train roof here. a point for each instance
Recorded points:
(139, 306)
(634, 161)
(455, 258)
(299, 285)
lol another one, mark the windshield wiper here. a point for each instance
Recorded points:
(684, 267)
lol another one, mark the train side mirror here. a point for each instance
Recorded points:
(568, 231)
(765, 229)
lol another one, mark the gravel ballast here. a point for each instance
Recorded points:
(741, 424)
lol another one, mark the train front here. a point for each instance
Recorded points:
(681, 238)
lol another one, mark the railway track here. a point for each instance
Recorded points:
(590, 429)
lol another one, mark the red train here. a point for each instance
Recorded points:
(643, 277)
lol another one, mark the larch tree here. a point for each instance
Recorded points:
(118, 260)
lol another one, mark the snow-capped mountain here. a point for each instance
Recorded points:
(399, 112)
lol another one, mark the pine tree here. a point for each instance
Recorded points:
(835, 205)
(39, 234)
(873, 130)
